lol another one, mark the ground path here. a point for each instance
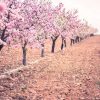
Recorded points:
(71, 75)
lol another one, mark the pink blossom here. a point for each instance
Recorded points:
(2, 7)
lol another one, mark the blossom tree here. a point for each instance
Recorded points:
(71, 22)
(56, 25)
(23, 31)
(62, 23)
(8, 15)
(82, 29)
(13, 25)
(40, 17)
(30, 22)
(32, 26)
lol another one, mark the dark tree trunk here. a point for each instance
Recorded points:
(63, 43)
(91, 34)
(3, 33)
(42, 50)
(62, 46)
(53, 46)
(77, 39)
(81, 38)
(72, 42)
(53, 43)
(24, 54)
(1, 46)
(3, 38)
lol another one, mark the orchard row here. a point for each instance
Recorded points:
(31, 22)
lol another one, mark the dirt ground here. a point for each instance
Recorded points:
(73, 74)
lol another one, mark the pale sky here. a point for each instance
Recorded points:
(88, 9)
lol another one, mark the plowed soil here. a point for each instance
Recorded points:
(72, 74)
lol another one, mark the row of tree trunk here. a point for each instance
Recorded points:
(63, 45)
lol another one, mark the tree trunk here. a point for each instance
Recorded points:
(3, 38)
(62, 46)
(81, 39)
(24, 55)
(42, 50)
(72, 42)
(53, 46)
(77, 39)
(63, 43)
(53, 43)
(1, 46)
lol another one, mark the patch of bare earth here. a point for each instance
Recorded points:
(73, 74)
